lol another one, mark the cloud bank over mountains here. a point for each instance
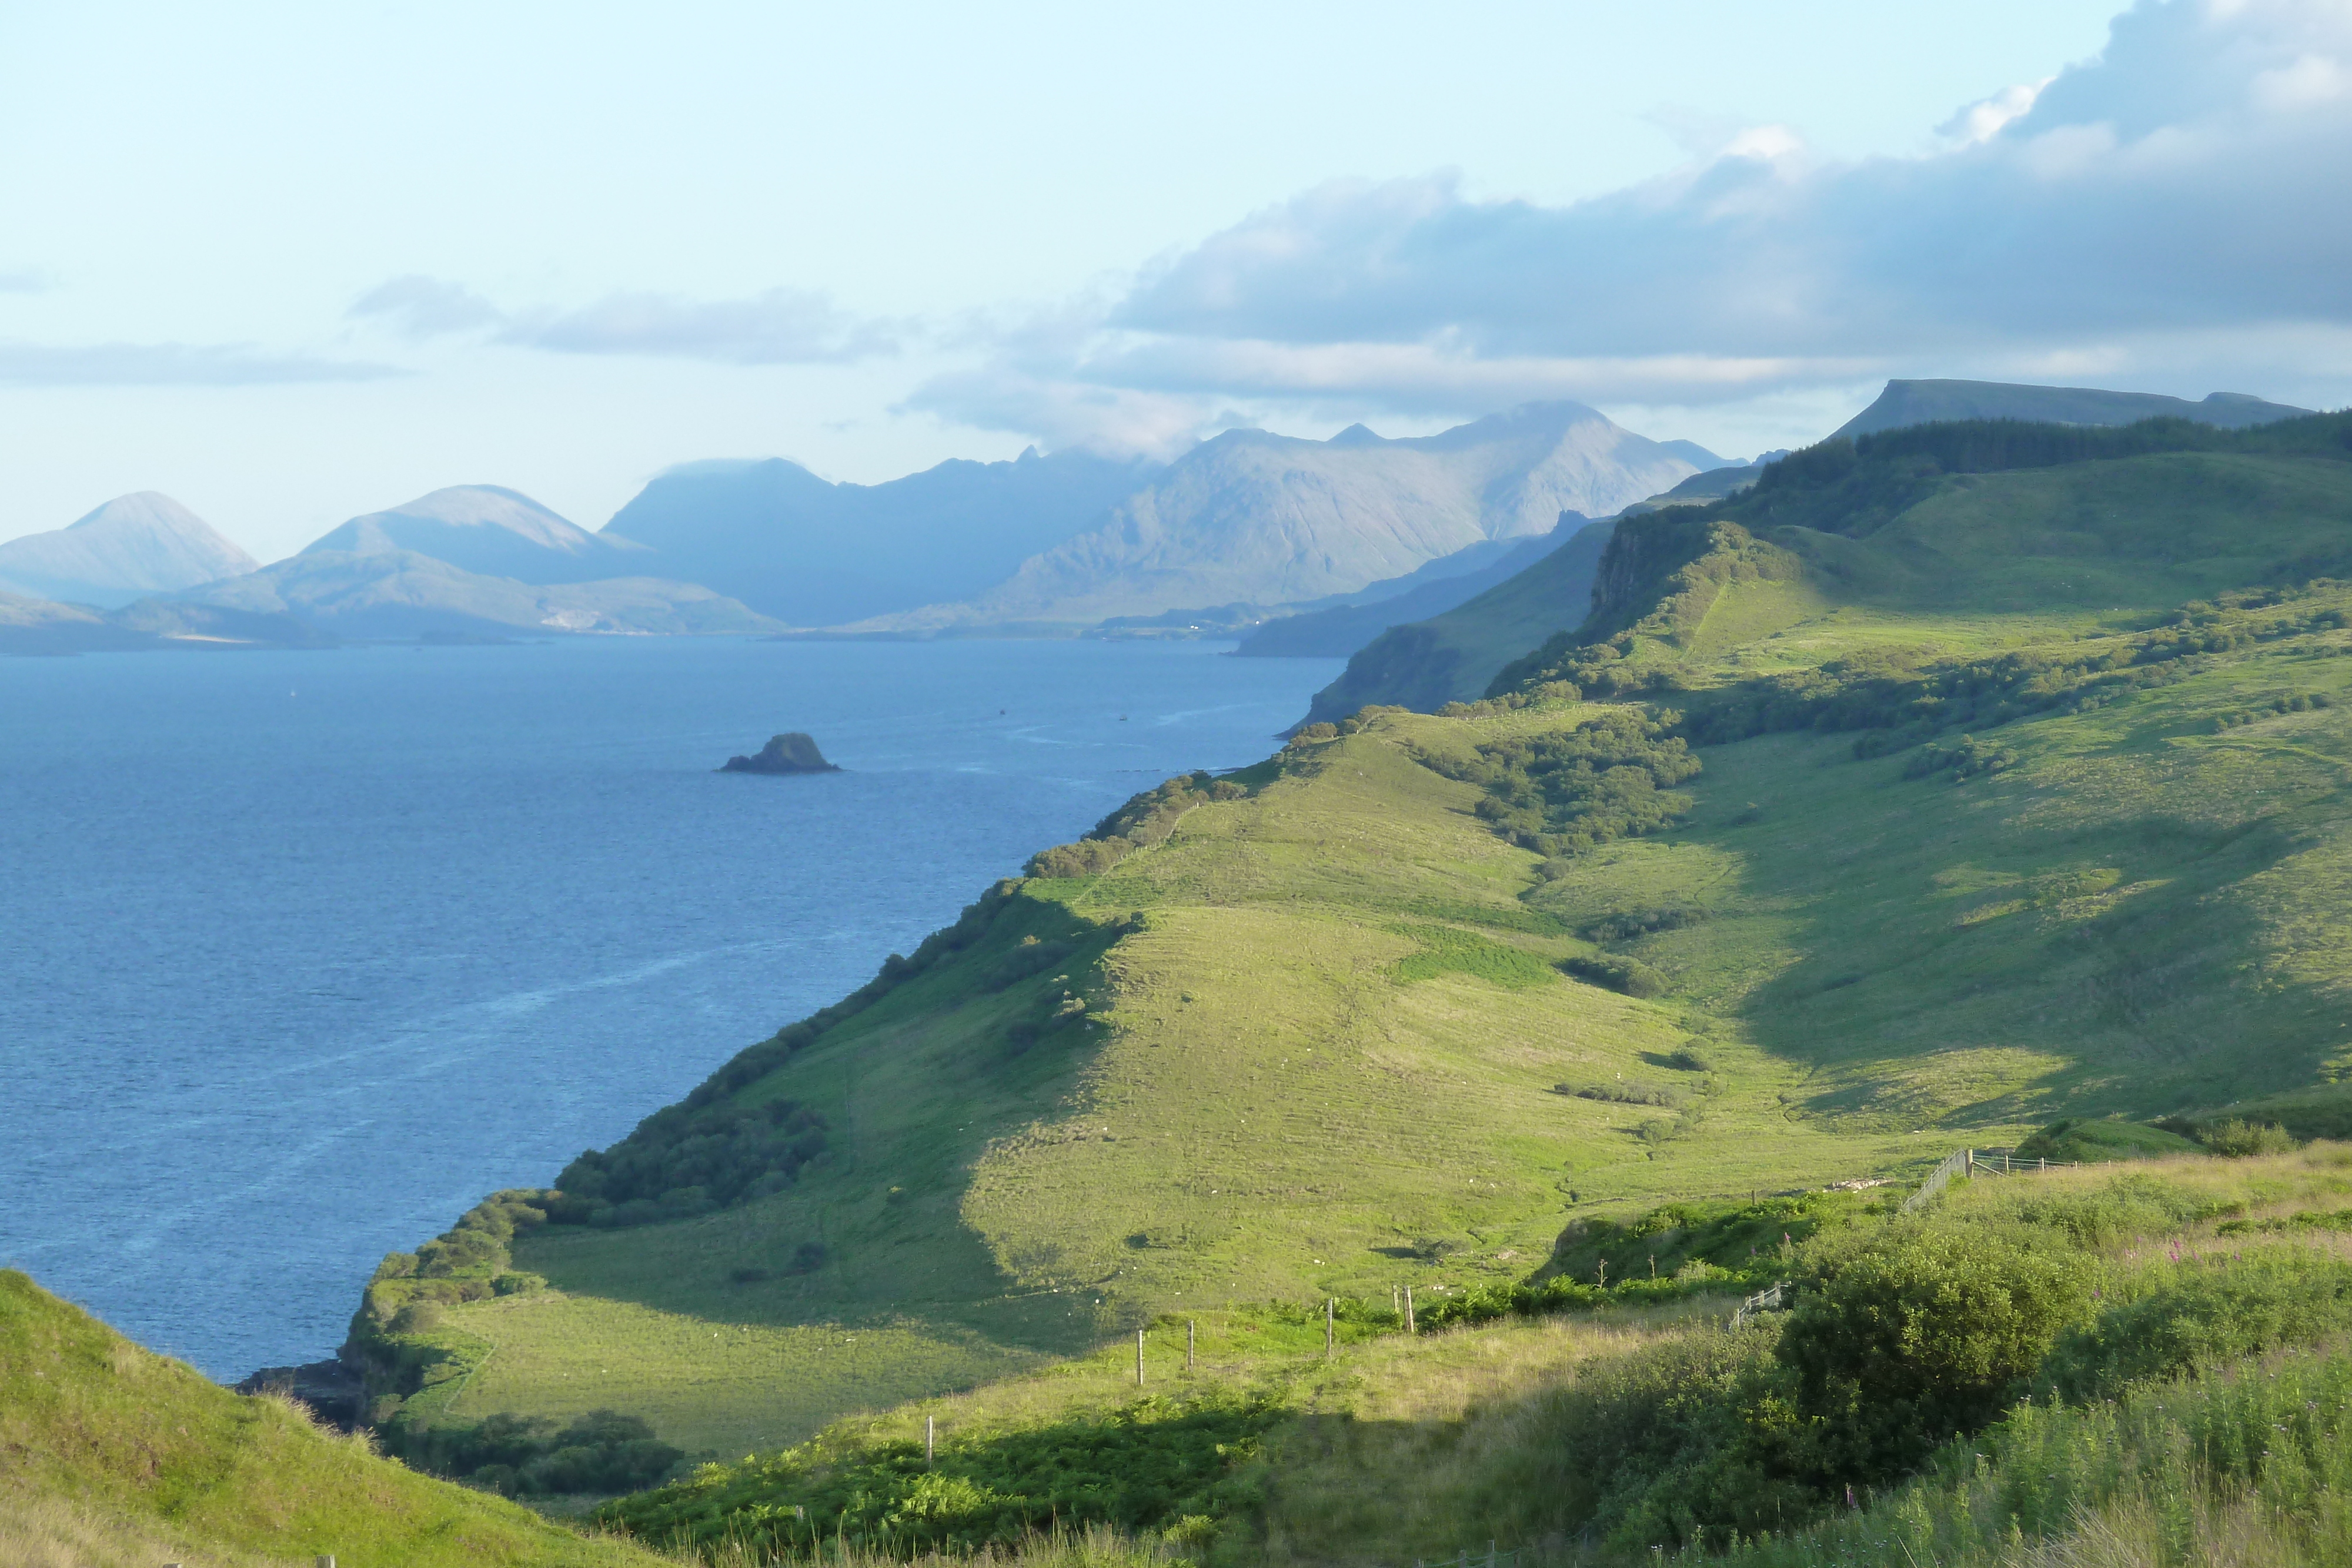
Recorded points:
(2174, 205)
(778, 326)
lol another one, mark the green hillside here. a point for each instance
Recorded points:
(110, 1455)
(1453, 656)
(2019, 795)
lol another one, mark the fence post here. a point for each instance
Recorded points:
(1331, 1325)
(931, 1440)
(1188, 1344)
(1138, 1358)
(1490, 1554)
(1408, 1310)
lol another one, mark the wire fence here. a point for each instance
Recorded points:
(1972, 1163)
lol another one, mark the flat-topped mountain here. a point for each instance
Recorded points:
(1907, 402)
(1254, 518)
(817, 553)
(134, 545)
(493, 530)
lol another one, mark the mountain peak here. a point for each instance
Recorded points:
(485, 528)
(144, 542)
(1355, 436)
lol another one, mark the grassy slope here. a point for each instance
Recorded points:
(1450, 657)
(1329, 1046)
(109, 1454)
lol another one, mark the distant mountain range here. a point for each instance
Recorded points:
(1452, 654)
(816, 553)
(1311, 547)
(1271, 520)
(133, 546)
(401, 595)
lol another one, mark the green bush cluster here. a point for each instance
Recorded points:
(1155, 1464)
(2203, 1314)
(1965, 758)
(1622, 1093)
(602, 1451)
(1632, 925)
(471, 1261)
(1145, 820)
(2234, 1465)
(1617, 972)
(683, 1161)
(1560, 794)
(2237, 1139)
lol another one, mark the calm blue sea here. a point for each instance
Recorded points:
(301, 954)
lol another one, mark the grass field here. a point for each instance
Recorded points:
(110, 1455)
(1329, 1037)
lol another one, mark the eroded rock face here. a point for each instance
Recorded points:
(791, 753)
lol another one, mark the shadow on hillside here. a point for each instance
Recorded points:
(912, 1093)
(1942, 934)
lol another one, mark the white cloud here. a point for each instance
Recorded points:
(781, 325)
(1982, 121)
(2180, 191)
(170, 364)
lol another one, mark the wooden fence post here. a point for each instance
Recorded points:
(1331, 1325)
(1188, 1344)
(1408, 1310)
(1138, 1358)
(931, 1440)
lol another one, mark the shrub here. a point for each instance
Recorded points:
(602, 1451)
(1908, 1337)
(1652, 1447)
(1622, 1093)
(1618, 973)
(1156, 1465)
(2201, 1315)
(2235, 1139)
(1561, 793)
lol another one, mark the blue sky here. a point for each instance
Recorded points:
(292, 263)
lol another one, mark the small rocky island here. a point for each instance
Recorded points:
(793, 753)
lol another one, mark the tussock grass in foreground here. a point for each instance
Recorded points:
(2249, 1465)
(1096, 1548)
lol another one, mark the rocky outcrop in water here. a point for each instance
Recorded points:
(792, 753)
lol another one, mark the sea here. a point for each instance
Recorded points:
(303, 953)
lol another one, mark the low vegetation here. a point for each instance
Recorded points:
(113, 1455)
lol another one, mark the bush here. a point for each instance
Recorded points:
(1622, 1093)
(2235, 1139)
(2196, 1315)
(1618, 973)
(1652, 1447)
(1156, 1465)
(1561, 793)
(602, 1451)
(1913, 1334)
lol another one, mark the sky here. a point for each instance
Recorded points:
(291, 263)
